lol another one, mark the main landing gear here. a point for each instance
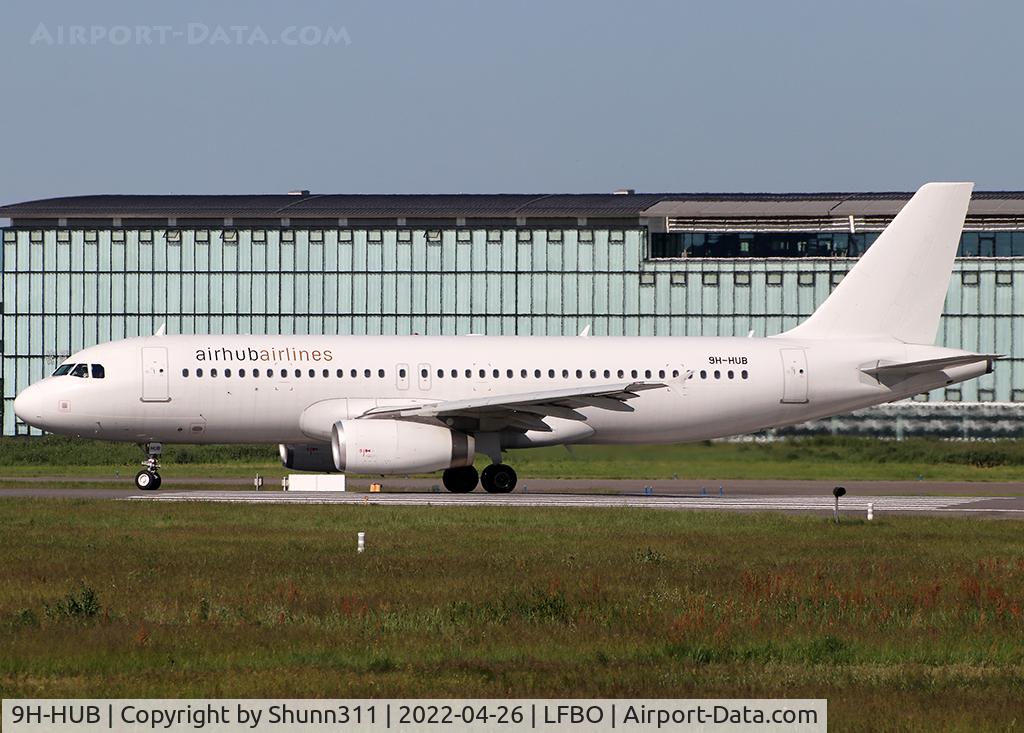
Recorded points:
(496, 479)
(148, 479)
(460, 480)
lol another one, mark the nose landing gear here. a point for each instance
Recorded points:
(148, 479)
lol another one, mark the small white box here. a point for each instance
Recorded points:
(316, 482)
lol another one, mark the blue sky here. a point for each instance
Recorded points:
(511, 97)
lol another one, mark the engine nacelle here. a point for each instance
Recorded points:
(307, 457)
(396, 446)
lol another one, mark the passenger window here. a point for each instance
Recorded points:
(380, 373)
(98, 372)
(284, 374)
(298, 373)
(703, 374)
(607, 374)
(342, 371)
(62, 370)
(469, 373)
(536, 373)
(661, 374)
(423, 373)
(495, 373)
(80, 370)
(718, 374)
(184, 372)
(199, 372)
(593, 373)
(366, 373)
(675, 373)
(227, 372)
(551, 373)
(241, 372)
(455, 373)
(509, 373)
(255, 372)
(647, 374)
(744, 374)
(312, 373)
(213, 372)
(354, 373)
(326, 373)
(523, 373)
(579, 374)
(730, 374)
(440, 373)
(621, 374)
(634, 373)
(482, 374)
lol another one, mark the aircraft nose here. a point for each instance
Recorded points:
(28, 405)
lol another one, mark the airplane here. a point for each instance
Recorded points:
(418, 404)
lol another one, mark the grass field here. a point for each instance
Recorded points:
(822, 458)
(903, 623)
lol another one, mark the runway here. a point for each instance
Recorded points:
(944, 498)
(849, 505)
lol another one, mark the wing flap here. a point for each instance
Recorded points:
(524, 411)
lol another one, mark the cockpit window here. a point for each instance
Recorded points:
(62, 370)
(80, 370)
(98, 371)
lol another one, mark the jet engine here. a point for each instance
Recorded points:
(307, 457)
(397, 446)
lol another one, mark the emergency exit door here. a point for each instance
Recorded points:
(794, 375)
(154, 375)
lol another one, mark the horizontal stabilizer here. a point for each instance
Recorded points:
(909, 368)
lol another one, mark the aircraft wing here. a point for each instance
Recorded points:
(526, 410)
(909, 368)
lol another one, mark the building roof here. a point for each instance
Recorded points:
(276, 206)
(489, 206)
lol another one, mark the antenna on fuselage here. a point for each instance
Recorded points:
(162, 330)
(586, 331)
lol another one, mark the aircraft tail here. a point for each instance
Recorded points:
(898, 287)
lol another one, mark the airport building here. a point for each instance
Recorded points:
(83, 270)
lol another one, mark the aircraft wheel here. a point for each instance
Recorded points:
(498, 479)
(147, 480)
(460, 480)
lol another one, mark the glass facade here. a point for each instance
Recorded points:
(65, 289)
(813, 244)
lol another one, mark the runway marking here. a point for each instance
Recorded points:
(781, 503)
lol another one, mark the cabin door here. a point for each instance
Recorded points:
(154, 375)
(794, 375)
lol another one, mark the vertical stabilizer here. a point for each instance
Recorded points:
(898, 287)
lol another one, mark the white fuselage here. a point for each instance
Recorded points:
(291, 389)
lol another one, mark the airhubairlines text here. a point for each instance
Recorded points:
(250, 354)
